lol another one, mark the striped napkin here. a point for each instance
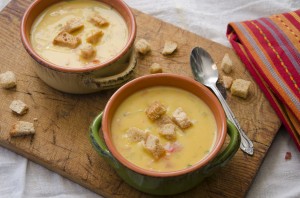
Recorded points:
(270, 49)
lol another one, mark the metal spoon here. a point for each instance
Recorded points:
(205, 71)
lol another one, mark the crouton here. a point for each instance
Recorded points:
(87, 51)
(227, 81)
(94, 37)
(155, 68)
(98, 21)
(136, 135)
(240, 88)
(180, 118)
(153, 146)
(8, 80)
(73, 25)
(168, 131)
(226, 64)
(19, 107)
(169, 47)
(22, 128)
(65, 39)
(164, 119)
(155, 110)
(142, 46)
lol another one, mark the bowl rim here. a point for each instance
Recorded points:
(203, 162)
(27, 44)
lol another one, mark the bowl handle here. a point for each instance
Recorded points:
(98, 142)
(113, 81)
(233, 146)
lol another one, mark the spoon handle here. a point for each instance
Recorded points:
(246, 144)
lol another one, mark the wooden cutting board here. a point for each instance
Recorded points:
(61, 142)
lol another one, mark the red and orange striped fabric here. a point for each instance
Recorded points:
(270, 49)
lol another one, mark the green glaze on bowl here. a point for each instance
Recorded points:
(164, 185)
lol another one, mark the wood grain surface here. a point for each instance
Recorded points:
(61, 141)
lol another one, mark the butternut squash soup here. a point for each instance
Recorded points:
(163, 129)
(77, 33)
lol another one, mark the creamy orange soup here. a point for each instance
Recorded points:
(51, 21)
(190, 146)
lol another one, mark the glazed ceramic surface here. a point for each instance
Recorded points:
(110, 74)
(164, 183)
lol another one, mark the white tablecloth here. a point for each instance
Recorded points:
(209, 18)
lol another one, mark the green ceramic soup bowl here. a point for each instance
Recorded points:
(172, 182)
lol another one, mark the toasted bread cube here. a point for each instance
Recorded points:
(22, 128)
(155, 68)
(180, 118)
(154, 147)
(98, 21)
(155, 110)
(94, 37)
(142, 46)
(168, 131)
(163, 119)
(19, 107)
(227, 81)
(136, 135)
(240, 88)
(8, 80)
(226, 64)
(65, 39)
(169, 47)
(87, 51)
(73, 25)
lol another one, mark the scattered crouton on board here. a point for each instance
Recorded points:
(155, 68)
(240, 88)
(22, 128)
(142, 46)
(227, 81)
(18, 107)
(169, 47)
(226, 64)
(8, 80)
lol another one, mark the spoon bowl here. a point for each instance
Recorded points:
(205, 75)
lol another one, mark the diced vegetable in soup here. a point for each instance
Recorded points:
(147, 129)
(60, 32)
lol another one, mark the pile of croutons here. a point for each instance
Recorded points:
(66, 37)
(168, 128)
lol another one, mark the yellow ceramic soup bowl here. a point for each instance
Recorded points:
(164, 182)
